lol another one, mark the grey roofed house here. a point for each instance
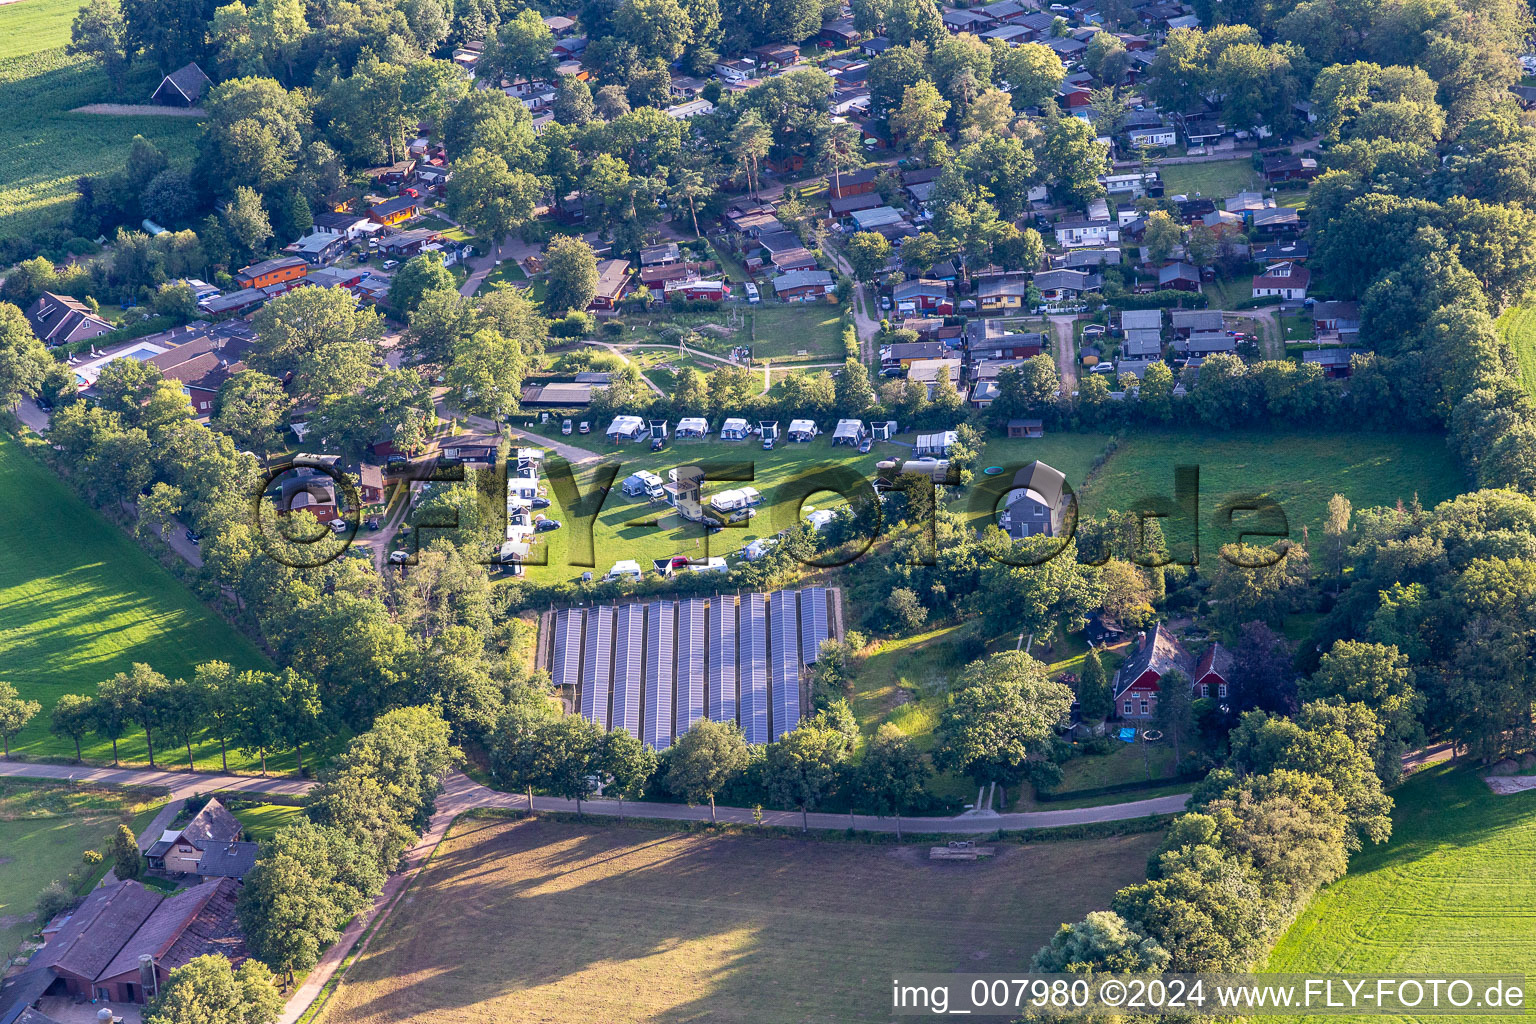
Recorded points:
(1204, 343)
(182, 87)
(1178, 272)
(848, 204)
(212, 824)
(1245, 201)
(1079, 259)
(1142, 341)
(228, 860)
(1065, 280)
(1131, 319)
(1037, 502)
(1276, 217)
(801, 279)
(1297, 249)
(62, 319)
(1188, 320)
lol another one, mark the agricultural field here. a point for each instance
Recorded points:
(1217, 179)
(80, 601)
(628, 924)
(33, 25)
(46, 147)
(1518, 327)
(44, 830)
(1453, 890)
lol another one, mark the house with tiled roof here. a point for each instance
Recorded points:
(1137, 682)
(180, 850)
(62, 319)
(96, 953)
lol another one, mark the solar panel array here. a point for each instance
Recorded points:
(784, 646)
(660, 650)
(656, 669)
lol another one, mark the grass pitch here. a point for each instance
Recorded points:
(554, 921)
(80, 602)
(1452, 893)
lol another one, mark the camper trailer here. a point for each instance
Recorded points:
(643, 483)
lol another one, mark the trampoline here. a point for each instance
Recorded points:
(993, 470)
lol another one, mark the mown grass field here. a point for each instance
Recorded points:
(44, 830)
(46, 148)
(1299, 471)
(644, 530)
(1518, 326)
(1217, 179)
(80, 601)
(1453, 892)
(797, 332)
(553, 921)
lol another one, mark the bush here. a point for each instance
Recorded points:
(574, 324)
(53, 901)
(613, 328)
(91, 857)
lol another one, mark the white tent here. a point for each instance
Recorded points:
(626, 428)
(693, 426)
(735, 430)
(802, 430)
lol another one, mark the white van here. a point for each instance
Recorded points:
(565, 428)
(751, 290)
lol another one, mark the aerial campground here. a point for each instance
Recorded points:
(767, 511)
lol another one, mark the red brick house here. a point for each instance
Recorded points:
(1158, 653)
(179, 850)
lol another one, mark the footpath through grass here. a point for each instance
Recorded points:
(80, 602)
(544, 920)
(1452, 893)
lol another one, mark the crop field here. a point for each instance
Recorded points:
(1453, 891)
(44, 830)
(1518, 327)
(46, 147)
(543, 921)
(80, 601)
(33, 25)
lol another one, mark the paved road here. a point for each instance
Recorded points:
(463, 793)
(29, 413)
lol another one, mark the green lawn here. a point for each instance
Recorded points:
(1300, 471)
(903, 681)
(1225, 293)
(1215, 180)
(43, 845)
(782, 331)
(263, 821)
(1453, 890)
(1518, 326)
(80, 601)
(34, 25)
(1297, 327)
(46, 147)
(623, 529)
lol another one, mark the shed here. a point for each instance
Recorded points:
(1026, 428)
(183, 87)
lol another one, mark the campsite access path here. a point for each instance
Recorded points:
(463, 793)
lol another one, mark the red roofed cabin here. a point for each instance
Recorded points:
(1157, 653)
(272, 272)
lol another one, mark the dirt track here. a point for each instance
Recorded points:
(139, 110)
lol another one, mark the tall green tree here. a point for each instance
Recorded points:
(71, 717)
(627, 763)
(892, 773)
(15, 713)
(704, 759)
(208, 990)
(571, 275)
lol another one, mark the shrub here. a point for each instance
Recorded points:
(54, 900)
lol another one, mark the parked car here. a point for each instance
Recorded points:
(391, 264)
(399, 557)
(565, 427)
(585, 428)
(372, 522)
(865, 445)
(338, 526)
(539, 502)
(657, 444)
(768, 444)
(195, 538)
(545, 525)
